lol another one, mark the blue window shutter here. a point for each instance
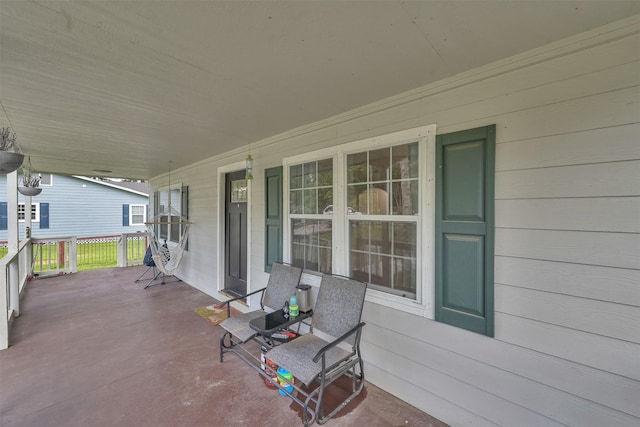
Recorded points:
(4, 220)
(125, 215)
(44, 215)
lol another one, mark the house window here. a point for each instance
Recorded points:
(35, 212)
(137, 214)
(311, 212)
(383, 186)
(366, 210)
(171, 206)
(46, 179)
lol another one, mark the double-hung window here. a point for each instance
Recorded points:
(137, 214)
(311, 215)
(170, 206)
(365, 210)
(383, 187)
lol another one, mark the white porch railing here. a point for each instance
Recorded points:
(131, 248)
(14, 271)
(47, 257)
(54, 255)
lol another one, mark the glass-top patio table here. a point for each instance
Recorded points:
(273, 324)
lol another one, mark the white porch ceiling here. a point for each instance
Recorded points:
(128, 86)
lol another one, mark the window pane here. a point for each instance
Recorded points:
(380, 237)
(295, 177)
(164, 227)
(405, 275)
(325, 172)
(405, 198)
(356, 194)
(378, 199)
(312, 244)
(359, 235)
(383, 253)
(310, 201)
(405, 161)
(357, 168)
(325, 199)
(359, 250)
(379, 164)
(175, 229)
(295, 201)
(380, 270)
(309, 178)
(326, 261)
(404, 239)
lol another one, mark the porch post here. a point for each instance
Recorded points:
(13, 242)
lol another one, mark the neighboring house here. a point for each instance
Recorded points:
(81, 207)
(495, 213)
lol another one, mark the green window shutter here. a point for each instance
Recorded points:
(184, 208)
(465, 229)
(273, 217)
(184, 203)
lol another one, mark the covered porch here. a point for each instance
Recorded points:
(95, 348)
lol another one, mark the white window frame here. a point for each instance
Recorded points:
(131, 214)
(424, 304)
(33, 205)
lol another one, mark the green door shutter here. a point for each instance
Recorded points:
(465, 229)
(273, 217)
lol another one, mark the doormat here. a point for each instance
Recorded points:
(214, 314)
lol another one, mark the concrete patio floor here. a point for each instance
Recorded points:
(97, 349)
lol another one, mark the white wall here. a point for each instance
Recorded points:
(567, 296)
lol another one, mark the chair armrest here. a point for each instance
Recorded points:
(337, 341)
(229, 301)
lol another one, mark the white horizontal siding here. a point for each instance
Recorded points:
(610, 214)
(605, 354)
(609, 144)
(581, 247)
(617, 285)
(541, 382)
(567, 270)
(582, 314)
(592, 180)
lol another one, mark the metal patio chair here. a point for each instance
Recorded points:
(337, 313)
(280, 287)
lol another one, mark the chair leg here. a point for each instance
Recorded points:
(156, 274)
(143, 274)
(224, 346)
(321, 417)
